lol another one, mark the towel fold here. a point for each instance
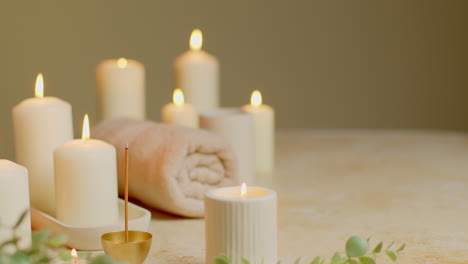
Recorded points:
(170, 167)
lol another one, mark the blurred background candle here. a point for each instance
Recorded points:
(264, 119)
(197, 74)
(240, 222)
(14, 201)
(86, 181)
(121, 89)
(41, 124)
(180, 113)
(237, 128)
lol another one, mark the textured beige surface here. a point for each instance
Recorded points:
(402, 186)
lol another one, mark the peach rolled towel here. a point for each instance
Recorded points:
(170, 167)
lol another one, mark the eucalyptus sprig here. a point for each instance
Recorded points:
(357, 252)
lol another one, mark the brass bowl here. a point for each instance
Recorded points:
(134, 251)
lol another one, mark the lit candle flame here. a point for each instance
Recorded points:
(74, 254)
(178, 97)
(256, 98)
(196, 40)
(122, 63)
(244, 190)
(85, 134)
(39, 86)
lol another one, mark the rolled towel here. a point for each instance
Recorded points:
(170, 167)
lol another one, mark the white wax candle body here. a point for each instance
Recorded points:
(40, 126)
(237, 128)
(86, 183)
(14, 201)
(264, 119)
(241, 227)
(197, 74)
(121, 89)
(184, 115)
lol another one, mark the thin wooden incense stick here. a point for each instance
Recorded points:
(126, 193)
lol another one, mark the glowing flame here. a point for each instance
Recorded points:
(85, 134)
(196, 40)
(39, 86)
(178, 97)
(122, 63)
(256, 98)
(74, 254)
(244, 190)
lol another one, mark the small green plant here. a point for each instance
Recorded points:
(357, 252)
(44, 248)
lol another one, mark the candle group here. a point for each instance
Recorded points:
(41, 124)
(86, 181)
(197, 74)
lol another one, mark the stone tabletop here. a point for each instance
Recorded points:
(403, 186)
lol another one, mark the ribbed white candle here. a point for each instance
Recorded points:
(241, 227)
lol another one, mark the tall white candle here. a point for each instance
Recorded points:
(197, 74)
(237, 128)
(41, 124)
(180, 113)
(14, 201)
(121, 89)
(86, 181)
(240, 222)
(264, 118)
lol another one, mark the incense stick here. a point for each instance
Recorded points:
(126, 193)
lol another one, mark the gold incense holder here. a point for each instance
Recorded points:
(134, 251)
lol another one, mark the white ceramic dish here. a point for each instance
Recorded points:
(89, 238)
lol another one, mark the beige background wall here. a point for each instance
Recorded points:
(321, 64)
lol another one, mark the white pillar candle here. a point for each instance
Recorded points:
(86, 181)
(237, 128)
(121, 89)
(180, 113)
(197, 74)
(241, 223)
(14, 201)
(264, 118)
(41, 124)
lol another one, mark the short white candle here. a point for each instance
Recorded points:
(14, 201)
(86, 181)
(264, 118)
(121, 89)
(240, 222)
(179, 112)
(197, 74)
(41, 124)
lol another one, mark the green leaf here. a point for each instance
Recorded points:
(356, 246)
(221, 260)
(4, 259)
(378, 248)
(40, 237)
(20, 219)
(57, 241)
(391, 254)
(366, 260)
(351, 261)
(316, 260)
(389, 246)
(401, 248)
(64, 254)
(297, 260)
(336, 259)
(20, 258)
(12, 241)
(244, 261)
(104, 259)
